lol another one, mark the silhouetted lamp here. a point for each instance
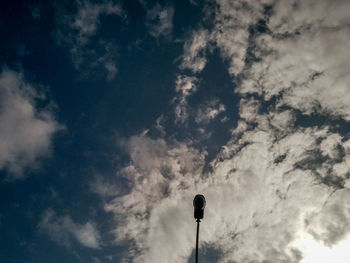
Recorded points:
(199, 205)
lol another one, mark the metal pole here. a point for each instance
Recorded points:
(198, 220)
(199, 205)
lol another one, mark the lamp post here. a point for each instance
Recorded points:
(199, 205)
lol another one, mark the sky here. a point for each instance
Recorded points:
(115, 114)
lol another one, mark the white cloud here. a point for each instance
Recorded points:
(250, 198)
(291, 16)
(160, 20)
(314, 251)
(231, 33)
(62, 229)
(159, 172)
(332, 223)
(329, 145)
(26, 131)
(308, 67)
(249, 109)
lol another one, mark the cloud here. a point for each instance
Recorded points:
(79, 30)
(62, 229)
(332, 223)
(36, 12)
(159, 171)
(279, 175)
(308, 65)
(105, 188)
(87, 19)
(193, 57)
(111, 69)
(26, 130)
(256, 200)
(160, 21)
(209, 111)
(230, 34)
(108, 60)
(185, 87)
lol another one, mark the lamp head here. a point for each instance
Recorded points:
(199, 205)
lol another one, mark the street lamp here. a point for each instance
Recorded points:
(199, 205)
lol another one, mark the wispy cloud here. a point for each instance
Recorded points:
(185, 87)
(159, 21)
(63, 230)
(194, 51)
(105, 188)
(87, 19)
(77, 30)
(209, 111)
(26, 130)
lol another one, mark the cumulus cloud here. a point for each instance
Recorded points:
(332, 223)
(26, 131)
(63, 230)
(279, 175)
(158, 171)
(160, 21)
(254, 209)
(77, 31)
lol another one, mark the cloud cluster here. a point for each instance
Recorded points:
(26, 131)
(63, 230)
(279, 175)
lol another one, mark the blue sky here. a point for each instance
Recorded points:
(114, 114)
